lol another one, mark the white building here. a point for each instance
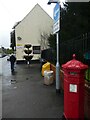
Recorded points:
(34, 29)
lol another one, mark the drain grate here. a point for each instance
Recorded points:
(13, 81)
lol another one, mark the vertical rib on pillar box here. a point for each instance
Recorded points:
(74, 72)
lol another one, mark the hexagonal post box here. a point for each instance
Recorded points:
(74, 73)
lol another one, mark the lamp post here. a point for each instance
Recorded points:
(56, 30)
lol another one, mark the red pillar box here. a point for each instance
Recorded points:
(74, 72)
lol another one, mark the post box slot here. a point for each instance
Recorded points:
(73, 73)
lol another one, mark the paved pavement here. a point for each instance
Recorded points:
(27, 96)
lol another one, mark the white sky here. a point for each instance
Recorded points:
(12, 11)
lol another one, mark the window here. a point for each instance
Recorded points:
(36, 49)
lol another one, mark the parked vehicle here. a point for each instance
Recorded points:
(0, 55)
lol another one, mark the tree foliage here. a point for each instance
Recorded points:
(52, 41)
(9, 51)
(74, 21)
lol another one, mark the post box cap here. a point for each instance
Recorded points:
(74, 64)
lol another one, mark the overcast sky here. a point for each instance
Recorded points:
(12, 11)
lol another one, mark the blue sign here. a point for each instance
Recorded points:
(56, 13)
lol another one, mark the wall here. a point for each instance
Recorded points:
(30, 29)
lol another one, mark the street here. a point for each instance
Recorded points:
(25, 96)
